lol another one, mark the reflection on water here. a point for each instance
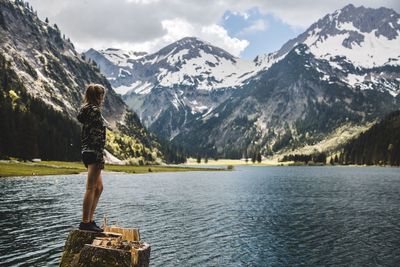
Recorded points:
(254, 216)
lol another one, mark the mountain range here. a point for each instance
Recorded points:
(343, 72)
(43, 81)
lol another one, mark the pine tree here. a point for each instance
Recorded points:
(253, 157)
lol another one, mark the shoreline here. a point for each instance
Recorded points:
(270, 163)
(12, 168)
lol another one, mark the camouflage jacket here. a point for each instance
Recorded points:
(93, 135)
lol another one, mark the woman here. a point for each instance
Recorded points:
(93, 139)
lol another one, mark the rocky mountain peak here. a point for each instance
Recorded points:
(120, 55)
(367, 37)
(190, 40)
(383, 20)
(191, 47)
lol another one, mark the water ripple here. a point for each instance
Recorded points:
(322, 216)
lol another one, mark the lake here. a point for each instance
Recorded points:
(253, 216)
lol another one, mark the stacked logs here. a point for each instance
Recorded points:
(115, 246)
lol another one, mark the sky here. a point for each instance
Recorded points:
(244, 28)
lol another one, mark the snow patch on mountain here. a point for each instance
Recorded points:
(371, 52)
(207, 71)
(141, 88)
(121, 57)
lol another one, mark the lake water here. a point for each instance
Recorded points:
(253, 216)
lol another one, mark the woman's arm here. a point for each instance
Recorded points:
(98, 131)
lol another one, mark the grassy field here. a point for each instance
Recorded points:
(17, 168)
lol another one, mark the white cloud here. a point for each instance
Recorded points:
(215, 34)
(244, 15)
(142, 1)
(176, 29)
(221, 38)
(257, 26)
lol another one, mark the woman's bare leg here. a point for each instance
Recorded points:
(93, 174)
(97, 193)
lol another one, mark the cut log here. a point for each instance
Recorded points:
(135, 254)
(129, 234)
(95, 256)
(140, 252)
(116, 246)
(74, 244)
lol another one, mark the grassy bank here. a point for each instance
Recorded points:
(17, 168)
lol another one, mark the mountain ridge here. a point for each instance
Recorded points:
(339, 46)
(286, 106)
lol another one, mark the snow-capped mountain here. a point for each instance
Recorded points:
(116, 65)
(290, 105)
(365, 37)
(355, 40)
(189, 62)
(190, 75)
(178, 90)
(121, 57)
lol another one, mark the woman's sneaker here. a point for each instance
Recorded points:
(89, 227)
(95, 225)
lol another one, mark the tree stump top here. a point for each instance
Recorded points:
(116, 246)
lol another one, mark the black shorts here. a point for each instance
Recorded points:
(92, 158)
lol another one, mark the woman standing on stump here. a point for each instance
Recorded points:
(93, 139)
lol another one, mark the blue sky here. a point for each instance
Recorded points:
(263, 39)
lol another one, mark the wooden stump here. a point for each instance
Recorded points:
(74, 244)
(94, 256)
(129, 234)
(105, 256)
(115, 247)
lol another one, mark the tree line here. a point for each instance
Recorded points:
(319, 157)
(379, 145)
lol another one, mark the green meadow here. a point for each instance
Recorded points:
(20, 168)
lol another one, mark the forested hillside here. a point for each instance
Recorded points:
(30, 128)
(378, 145)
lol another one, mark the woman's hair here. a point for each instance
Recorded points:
(94, 94)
